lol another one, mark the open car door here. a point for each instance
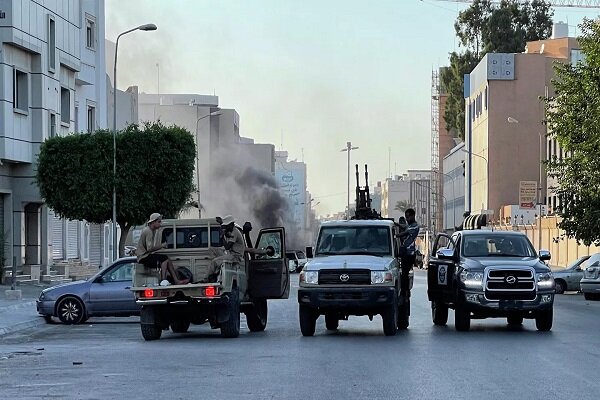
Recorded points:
(440, 272)
(269, 276)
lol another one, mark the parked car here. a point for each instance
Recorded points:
(590, 283)
(296, 260)
(568, 278)
(104, 294)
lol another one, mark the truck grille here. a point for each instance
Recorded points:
(510, 284)
(345, 277)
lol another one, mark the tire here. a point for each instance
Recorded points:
(543, 320)
(403, 317)
(231, 327)
(48, 319)
(439, 313)
(308, 321)
(514, 320)
(151, 331)
(589, 296)
(560, 286)
(462, 319)
(256, 318)
(331, 322)
(180, 326)
(70, 311)
(390, 320)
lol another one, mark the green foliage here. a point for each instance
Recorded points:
(155, 167)
(486, 28)
(403, 205)
(573, 118)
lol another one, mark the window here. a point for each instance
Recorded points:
(20, 91)
(576, 56)
(51, 44)
(91, 119)
(52, 125)
(123, 272)
(65, 105)
(90, 33)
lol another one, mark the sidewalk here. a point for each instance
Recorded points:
(18, 315)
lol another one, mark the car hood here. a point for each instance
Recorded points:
(505, 262)
(64, 287)
(373, 263)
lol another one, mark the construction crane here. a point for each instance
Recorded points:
(554, 3)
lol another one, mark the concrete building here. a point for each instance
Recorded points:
(376, 196)
(291, 178)
(413, 190)
(420, 195)
(504, 122)
(222, 154)
(53, 82)
(454, 187)
(393, 191)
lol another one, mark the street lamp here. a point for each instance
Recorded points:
(348, 149)
(512, 120)
(145, 27)
(212, 114)
(487, 174)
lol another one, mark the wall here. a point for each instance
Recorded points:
(454, 187)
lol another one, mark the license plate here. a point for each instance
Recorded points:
(511, 304)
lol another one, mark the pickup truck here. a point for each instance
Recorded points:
(482, 273)
(239, 288)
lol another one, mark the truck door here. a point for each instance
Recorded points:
(440, 273)
(269, 276)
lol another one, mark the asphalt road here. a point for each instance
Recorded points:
(108, 359)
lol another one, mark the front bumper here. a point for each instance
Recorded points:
(476, 303)
(347, 299)
(45, 307)
(590, 285)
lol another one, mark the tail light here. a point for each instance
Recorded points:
(148, 292)
(210, 291)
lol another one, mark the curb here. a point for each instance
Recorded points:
(21, 326)
(18, 306)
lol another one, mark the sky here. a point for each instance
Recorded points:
(305, 75)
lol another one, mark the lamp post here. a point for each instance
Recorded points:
(487, 174)
(348, 148)
(512, 120)
(453, 200)
(212, 114)
(145, 27)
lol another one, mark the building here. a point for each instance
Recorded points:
(411, 190)
(454, 187)
(394, 191)
(53, 83)
(504, 122)
(224, 158)
(420, 195)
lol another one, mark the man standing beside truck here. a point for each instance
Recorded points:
(408, 246)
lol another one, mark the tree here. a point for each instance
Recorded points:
(403, 205)
(155, 168)
(573, 118)
(485, 28)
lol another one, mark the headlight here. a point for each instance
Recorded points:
(310, 277)
(545, 280)
(42, 296)
(381, 277)
(471, 279)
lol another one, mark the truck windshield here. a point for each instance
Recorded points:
(496, 244)
(342, 240)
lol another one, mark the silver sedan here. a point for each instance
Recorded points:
(104, 294)
(568, 278)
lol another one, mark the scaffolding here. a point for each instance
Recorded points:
(435, 152)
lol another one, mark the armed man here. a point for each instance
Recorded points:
(408, 247)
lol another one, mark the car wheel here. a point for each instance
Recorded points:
(256, 318)
(151, 331)
(390, 320)
(331, 322)
(231, 328)
(589, 296)
(180, 326)
(462, 319)
(70, 311)
(308, 321)
(48, 319)
(560, 286)
(543, 320)
(439, 313)
(514, 320)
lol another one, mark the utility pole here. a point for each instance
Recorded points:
(348, 148)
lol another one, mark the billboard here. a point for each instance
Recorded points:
(527, 194)
(292, 186)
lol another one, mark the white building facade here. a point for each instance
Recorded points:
(53, 82)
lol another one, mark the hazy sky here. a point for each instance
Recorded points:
(323, 72)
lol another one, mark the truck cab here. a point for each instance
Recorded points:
(482, 273)
(239, 288)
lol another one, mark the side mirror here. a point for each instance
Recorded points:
(545, 255)
(445, 254)
(309, 252)
(99, 279)
(99, 266)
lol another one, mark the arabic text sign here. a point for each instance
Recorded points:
(527, 194)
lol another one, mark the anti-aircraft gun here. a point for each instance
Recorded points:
(363, 199)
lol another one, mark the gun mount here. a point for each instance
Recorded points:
(363, 199)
